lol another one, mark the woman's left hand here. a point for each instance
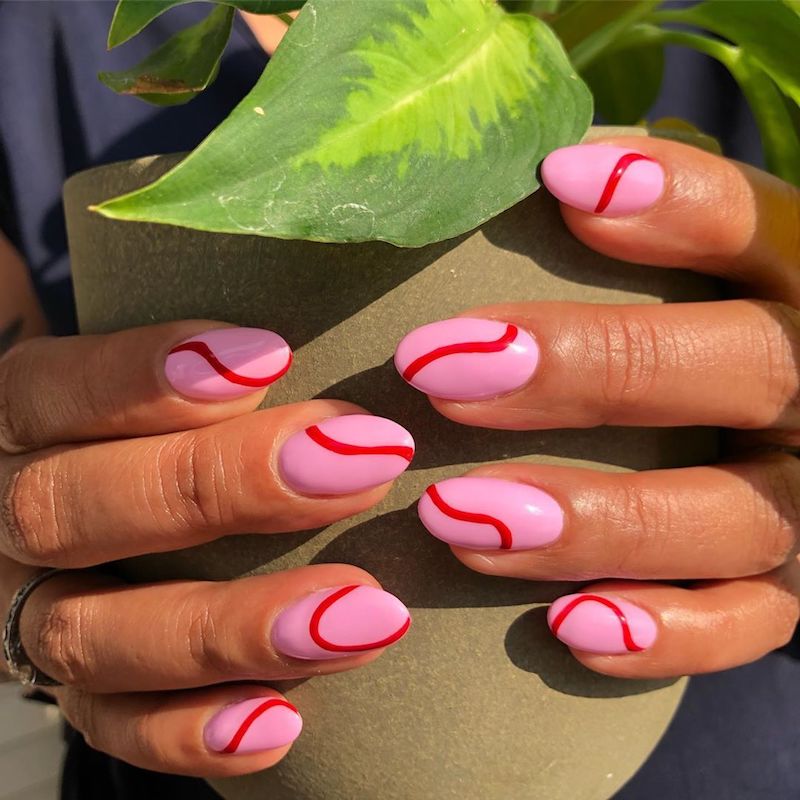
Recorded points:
(733, 527)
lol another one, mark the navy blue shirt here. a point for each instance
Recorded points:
(736, 735)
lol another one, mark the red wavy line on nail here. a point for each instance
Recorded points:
(203, 350)
(234, 743)
(585, 598)
(615, 177)
(320, 641)
(468, 516)
(344, 449)
(461, 347)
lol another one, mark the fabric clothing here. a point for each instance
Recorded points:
(736, 735)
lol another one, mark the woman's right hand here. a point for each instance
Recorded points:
(141, 442)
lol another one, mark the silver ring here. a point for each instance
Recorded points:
(19, 665)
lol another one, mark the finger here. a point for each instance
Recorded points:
(259, 473)
(681, 207)
(93, 633)
(559, 523)
(573, 365)
(209, 733)
(142, 381)
(646, 630)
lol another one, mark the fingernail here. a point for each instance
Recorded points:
(467, 359)
(612, 181)
(227, 362)
(340, 622)
(253, 726)
(490, 514)
(601, 624)
(345, 454)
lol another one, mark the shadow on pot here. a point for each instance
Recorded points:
(383, 392)
(530, 647)
(422, 571)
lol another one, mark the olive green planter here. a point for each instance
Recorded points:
(478, 702)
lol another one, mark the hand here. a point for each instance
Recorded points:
(732, 527)
(140, 442)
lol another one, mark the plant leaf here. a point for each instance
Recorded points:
(779, 135)
(132, 16)
(766, 31)
(408, 122)
(182, 67)
(626, 82)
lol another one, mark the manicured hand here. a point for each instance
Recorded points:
(140, 442)
(732, 527)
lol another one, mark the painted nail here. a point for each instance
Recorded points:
(467, 359)
(490, 514)
(345, 454)
(340, 622)
(612, 181)
(601, 624)
(253, 726)
(227, 362)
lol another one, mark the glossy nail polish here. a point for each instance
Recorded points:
(490, 514)
(603, 179)
(601, 624)
(467, 359)
(225, 363)
(253, 726)
(345, 454)
(339, 622)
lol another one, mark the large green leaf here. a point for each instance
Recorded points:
(132, 16)
(182, 67)
(626, 82)
(766, 30)
(408, 122)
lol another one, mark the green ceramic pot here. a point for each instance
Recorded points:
(478, 702)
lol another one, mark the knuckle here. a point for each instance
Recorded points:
(193, 483)
(631, 350)
(15, 433)
(62, 642)
(777, 512)
(208, 645)
(638, 521)
(80, 709)
(775, 338)
(34, 515)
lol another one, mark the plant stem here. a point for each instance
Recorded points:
(599, 42)
(779, 139)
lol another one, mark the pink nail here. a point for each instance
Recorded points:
(340, 622)
(253, 726)
(345, 454)
(227, 362)
(490, 514)
(612, 181)
(601, 624)
(467, 359)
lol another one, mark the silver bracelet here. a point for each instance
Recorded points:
(19, 665)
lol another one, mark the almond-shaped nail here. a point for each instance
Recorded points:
(342, 455)
(601, 624)
(467, 359)
(603, 179)
(340, 622)
(253, 726)
(490, 514)
(225, 363)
